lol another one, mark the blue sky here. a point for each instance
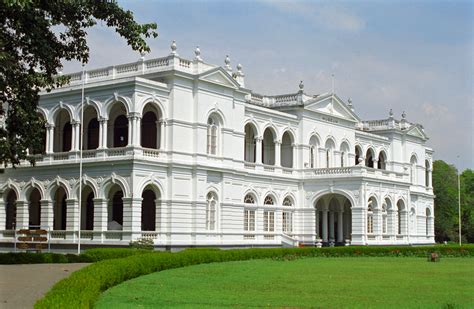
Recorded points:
(413, 56)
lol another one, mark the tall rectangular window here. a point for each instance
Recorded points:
(287, 222)
(249, 220)
(269, 221)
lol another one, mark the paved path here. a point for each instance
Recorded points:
(22, 285)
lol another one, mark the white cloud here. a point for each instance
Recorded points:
(327, 15)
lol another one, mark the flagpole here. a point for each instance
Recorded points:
(459, 202)
(81, 139)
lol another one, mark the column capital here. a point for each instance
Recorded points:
(103, 119)
(49, 125)
(277, 142)
(258, 138)
(133, 115)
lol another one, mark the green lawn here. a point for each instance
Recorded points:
(304, 283)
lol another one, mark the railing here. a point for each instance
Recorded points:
(333, 171)
(137, 67)
(149, 152)
(249, 165)
(58, 234)
(115, 152)
(60, 156)
(268, 168)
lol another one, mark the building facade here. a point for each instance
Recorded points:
(181, 152)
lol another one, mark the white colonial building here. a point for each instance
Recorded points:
(181, 152)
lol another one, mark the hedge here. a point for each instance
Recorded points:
(90, 256)
(84, 287)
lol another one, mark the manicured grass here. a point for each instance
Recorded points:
(308, 282)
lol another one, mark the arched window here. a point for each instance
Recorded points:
(370, 218)
(117, 128)
(413, 163)
(250, 146)
(382, 163)
(249, 214)
(344, 150)
(269, 200)
(268, 147)
(121, 131)
(384, 218)
(358, 154)
(115, 209)
(149, 131)
(212, 127)
(148, 210)
(62, 132)
(60, 209)
(286, 150)
(400, 208)
(11, 210)
(34, 209)
(427, 221)
(211, 211)
(249, 199)
(93, 134)
(287, 216)
(313, 151)
(269, 216)
(91, 129)
(87, 209)
(427, 173)
(369, 158)
(329, 153)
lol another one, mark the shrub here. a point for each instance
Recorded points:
(90, 256)
(83, 287)
(142, 243)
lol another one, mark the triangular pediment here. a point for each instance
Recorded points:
(416, 131)
(220, 77)
(331, 105)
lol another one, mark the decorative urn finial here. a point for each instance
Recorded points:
(174, 47)
(227, 63)
(390, 114)
(404, 115)
(142, 55)
(197, 52)
(239, 68)
(301, 85)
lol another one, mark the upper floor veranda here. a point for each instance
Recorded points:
(176, 110)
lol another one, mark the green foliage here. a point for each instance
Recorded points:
(90, 256)
(83, 288)
(35, 37)
(445, 188)
(142, 243)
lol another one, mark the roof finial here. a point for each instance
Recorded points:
(227, 61)
(142, 55)
(349, 104)
(404, 115)
(390, 114)
(239, 68)
(174, 48)
(301, 85)
(197, 52)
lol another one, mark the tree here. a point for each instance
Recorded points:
(445, 188)
(35, 36)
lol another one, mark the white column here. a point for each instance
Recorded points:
(132, 214)
(376, 161)
(138, 131)
(325, 224)
(72, 215)
(295, 156)
(258, 150)
(131, 124)
(100, 214)
(49, 138)
(3, 214)
(103, 134)
(277, 153)
(162, 134)
(331, 225)
(22, 214)
(359, 230)
(47, 215)
(377, 215)
(76, 132)
(340, 227)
